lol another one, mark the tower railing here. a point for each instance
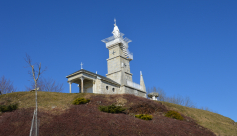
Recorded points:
(135, 85)
(130, 55)
(115, 39)
(111, 38)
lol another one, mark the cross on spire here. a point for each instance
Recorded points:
(81, 65)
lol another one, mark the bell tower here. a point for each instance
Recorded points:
(119, 64)
(119, 57)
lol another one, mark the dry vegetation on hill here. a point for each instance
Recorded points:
(59, 117)
(219, 124)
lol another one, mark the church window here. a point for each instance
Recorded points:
(113, 89)
(107, 88)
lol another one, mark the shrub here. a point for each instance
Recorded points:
(174, 115)
(80, 101)
(112, 109)
(144, 116)
(8, 108)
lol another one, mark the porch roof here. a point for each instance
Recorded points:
(92, 74)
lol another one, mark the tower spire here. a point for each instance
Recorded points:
(142, 84)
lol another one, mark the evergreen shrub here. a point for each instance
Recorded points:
(112, 109)
(8, 108)
(174, 115)
(144, 116)
(80, 101)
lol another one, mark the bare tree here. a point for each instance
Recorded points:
(6, 86)
(174, 99)
(35, 74)
(189, 103)
(180, 101)
(47, 85)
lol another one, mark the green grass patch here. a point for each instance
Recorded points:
(144, 116)
(111, 109)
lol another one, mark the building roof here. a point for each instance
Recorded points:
(153, 94)
(93, 74)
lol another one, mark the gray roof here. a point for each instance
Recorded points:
(153, 94)
(93, 74)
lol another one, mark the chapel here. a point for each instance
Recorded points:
(118, 80)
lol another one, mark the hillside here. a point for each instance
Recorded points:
(59, 117)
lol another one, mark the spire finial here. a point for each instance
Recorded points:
(141, 73)
(114, 21)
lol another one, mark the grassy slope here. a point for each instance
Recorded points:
(48, 100)
(217, 123)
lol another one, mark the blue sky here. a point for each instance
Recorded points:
(186, 48)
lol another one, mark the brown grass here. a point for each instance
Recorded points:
(217, 123)
(46, 100)
(59, 117)
(88, 120)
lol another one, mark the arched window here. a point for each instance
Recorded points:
(113, 89)
(107, 88)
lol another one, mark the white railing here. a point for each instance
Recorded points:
(127, 40)
(130, 55)
(117, 40)
(135, 85)
(111, 38)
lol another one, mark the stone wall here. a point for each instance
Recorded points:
(107, 88)
(129, 90)
(128, 76)
(115, 76)
(97, 86)
(126, 63)
(113, 65)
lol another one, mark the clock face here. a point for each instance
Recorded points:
(113, 52)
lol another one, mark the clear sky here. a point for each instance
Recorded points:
(186, 48)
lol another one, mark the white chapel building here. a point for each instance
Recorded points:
(119, 78)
